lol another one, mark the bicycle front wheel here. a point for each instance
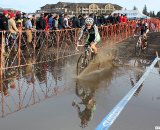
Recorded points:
(80, 64)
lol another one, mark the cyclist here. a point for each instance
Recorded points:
(144, 31)
(144, 28)
(91, 32)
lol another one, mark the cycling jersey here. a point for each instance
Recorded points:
(144, 28)
(92, 35)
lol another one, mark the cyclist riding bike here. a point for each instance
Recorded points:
(92, 34)
(144, 31)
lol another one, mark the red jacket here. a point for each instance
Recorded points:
(124, 19)
(121, 19)
(47, 25)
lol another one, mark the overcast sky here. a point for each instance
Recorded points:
(33, 5)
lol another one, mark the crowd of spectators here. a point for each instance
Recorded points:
(53, 21)
(14, 23)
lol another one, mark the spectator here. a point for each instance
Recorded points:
(118, 18)
(33, 21)
(41, 23)
(95, 19)
(114, 19)
(4, 21)
(99, 20)
(61, 22)
(121, 19)
(28, 26)
(55, 22)
(50, 22)
(46, 21)
(75, 22)
(110, 19)
(102, 19)
(12, 25)
(125, 18)
(24, 17)
(19, 20)
(82, 20)
(4, 26)
(66, 25)
(12, 28)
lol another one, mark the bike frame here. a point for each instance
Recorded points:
(85, 58)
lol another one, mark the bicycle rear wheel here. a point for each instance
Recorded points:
(138, 49)
(145, 51)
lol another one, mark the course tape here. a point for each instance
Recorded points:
(114, 113)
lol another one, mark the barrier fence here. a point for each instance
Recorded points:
(45, 47)
(52, 45)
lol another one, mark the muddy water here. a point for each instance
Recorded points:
(50, 96)
(142, 112)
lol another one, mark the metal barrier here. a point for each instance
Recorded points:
(53, 45)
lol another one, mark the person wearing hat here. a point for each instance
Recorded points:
(19, 20)
(12, 24)
(4, 21)
(4, 27)
(29, 28)
(13, 29)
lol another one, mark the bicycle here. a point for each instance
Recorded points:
(85, 58)
(141, 45)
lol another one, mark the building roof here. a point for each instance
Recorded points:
(67, 4)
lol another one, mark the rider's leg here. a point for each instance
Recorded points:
(93, 46)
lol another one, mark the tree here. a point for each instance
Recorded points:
(158, 14)
(135, 8)
(145, 10)
(151, 14)
(154, 14)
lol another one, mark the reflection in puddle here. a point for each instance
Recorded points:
(86, 87)
(31, 84)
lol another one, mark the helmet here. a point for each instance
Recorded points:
(89, 21)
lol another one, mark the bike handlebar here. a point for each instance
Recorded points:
(78, 45)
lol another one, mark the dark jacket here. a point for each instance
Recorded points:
(75, 22)
(4, 23)
(82, 21)
(61, 23)
(41, 23)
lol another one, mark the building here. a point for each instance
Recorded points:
(79, 8)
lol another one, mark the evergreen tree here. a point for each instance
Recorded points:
(145, 10)
(151, 14)
(154, 14)
(134, 8)
(158, 14)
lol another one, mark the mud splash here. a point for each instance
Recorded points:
(102, 63)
